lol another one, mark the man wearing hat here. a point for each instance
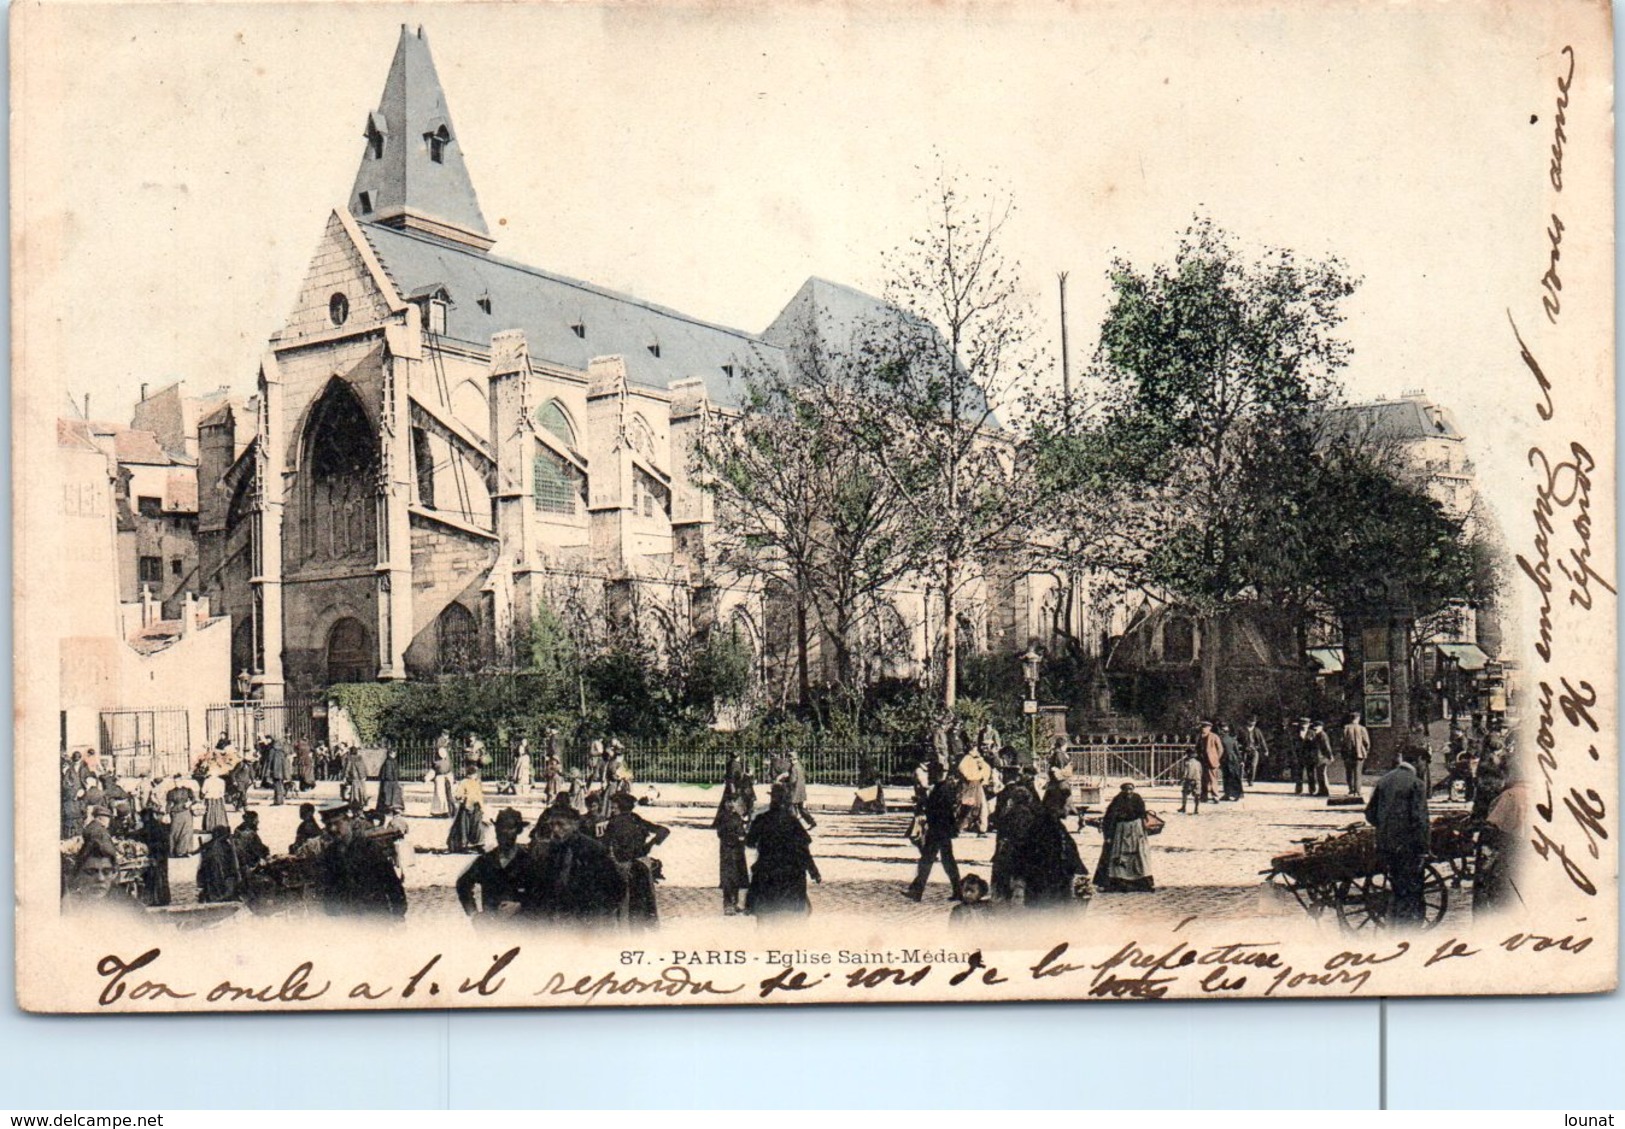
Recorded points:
(1356, 747)
(1211, 751)
(1303, 773)
(99, 828)
(630, 838)
(357, 874)
(1318, 757)
(577, 879)
(251, 849)
(502, 876)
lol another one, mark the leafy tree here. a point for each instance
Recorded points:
(1213, 367)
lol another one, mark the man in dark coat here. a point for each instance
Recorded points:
(307, 831)
(733, 872)
(1233, 769)
(277, 770)
(1399, 811)
(941, 825)
(629, 838)
(251, 849)
(577, 880)
(738, 783)
(1320, 755)
(1013, 816)
(99, 828)
(502, 876)
(358, 876)
(1302, 754)
(1255, 750)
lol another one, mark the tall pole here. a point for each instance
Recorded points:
(1066, 362)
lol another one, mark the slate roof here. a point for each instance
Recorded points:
(835, 313)
(1408, 419)
(545, 306)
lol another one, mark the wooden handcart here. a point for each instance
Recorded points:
(1341, 873)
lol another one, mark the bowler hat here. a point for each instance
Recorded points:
(510, 817)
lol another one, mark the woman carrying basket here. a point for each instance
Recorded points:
(1125, 857)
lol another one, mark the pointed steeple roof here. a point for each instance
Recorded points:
(412, 172)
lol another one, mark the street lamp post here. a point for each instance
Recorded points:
(1030, 664)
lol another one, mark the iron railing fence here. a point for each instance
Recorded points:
(290, 720)
(681, 762)
(1144, 758)
(146, 743)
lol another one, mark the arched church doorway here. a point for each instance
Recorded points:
(350, 656)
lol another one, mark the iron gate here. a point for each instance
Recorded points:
(146, 743)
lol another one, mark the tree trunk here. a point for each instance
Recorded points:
(803, 676)
(1212, 648)
(842, 643)
(950, 639)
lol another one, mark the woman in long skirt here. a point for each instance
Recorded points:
(440, 787)
(355, 779)
(522, 774)
(1047, 858)
(1125, 858)
(178, 803)
(214, 803)
(778, 881)
(468, 815)
(391, 796)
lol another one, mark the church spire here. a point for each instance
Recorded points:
(412, 173)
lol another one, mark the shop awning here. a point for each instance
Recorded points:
(1467, 656)
(1329, 659)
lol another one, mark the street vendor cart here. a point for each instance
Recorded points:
(1342, 873)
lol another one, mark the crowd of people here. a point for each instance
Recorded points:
(590, 855)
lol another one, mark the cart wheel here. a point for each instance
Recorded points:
(1362, 904)
(1435, 897)
(1374, 905)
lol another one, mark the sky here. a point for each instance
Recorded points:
(178, 164)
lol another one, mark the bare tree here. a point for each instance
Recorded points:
(803, 509)
(922, 385)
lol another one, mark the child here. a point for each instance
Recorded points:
(973, 904)
(1190, 783)
(734, 873)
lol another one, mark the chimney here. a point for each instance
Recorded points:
(143, 390)
(149, 607)
(188, 615)
(87, 405)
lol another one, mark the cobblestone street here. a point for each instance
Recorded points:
(1207, 865)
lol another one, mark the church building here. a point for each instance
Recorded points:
(443, 440)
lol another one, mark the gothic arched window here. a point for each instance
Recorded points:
(551, 418)
(341, 471)
(459, 640)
